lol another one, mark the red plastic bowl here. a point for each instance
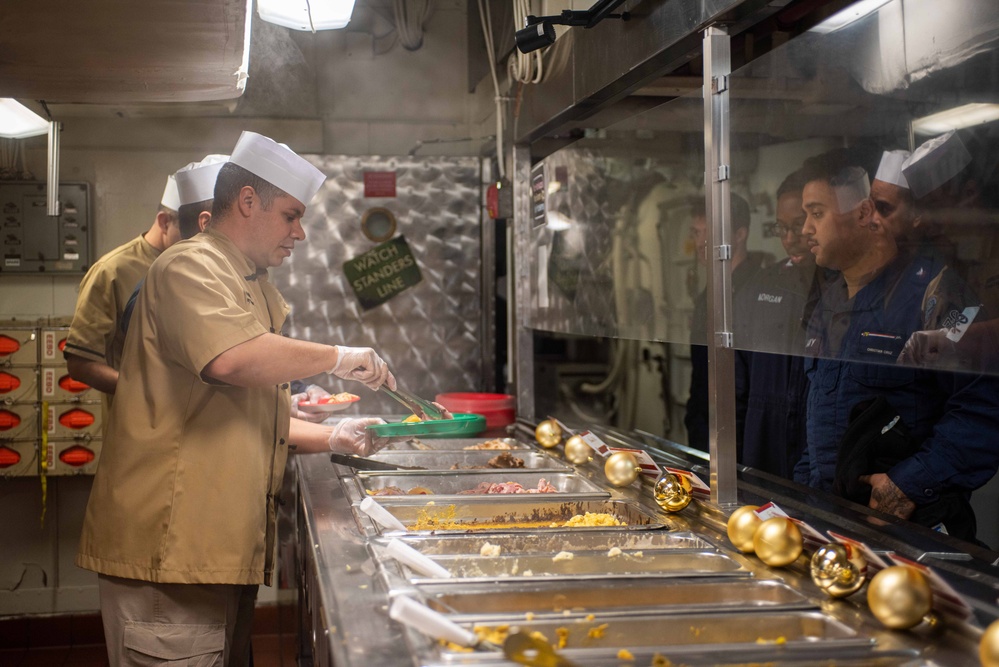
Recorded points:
(498, 409)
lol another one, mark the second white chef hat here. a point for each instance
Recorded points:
(170, 198)
(935, 162)
(890, 169)
(196, 180)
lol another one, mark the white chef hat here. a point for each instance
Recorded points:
(852, 186)
(890, 169)
(278, 165)
(935, 162)
(170, 198)
(196, 180)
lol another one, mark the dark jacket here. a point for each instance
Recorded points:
(952, 418)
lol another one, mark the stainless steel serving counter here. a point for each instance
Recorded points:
(346, 581)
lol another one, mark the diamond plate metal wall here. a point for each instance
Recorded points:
(429, 334)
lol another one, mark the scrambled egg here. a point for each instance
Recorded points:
(590, 519)
(563, 555)
(490, 550)
(625, 654)
(597, 632)
(410, 419)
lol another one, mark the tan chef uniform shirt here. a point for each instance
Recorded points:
(190, 471)
(95, 333)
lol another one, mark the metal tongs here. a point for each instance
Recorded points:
(519, 646)
(420, 407)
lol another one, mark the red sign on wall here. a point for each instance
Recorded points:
(379, 184)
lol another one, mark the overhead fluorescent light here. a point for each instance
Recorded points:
(956, 118)
(307, 14)
(19, 122)
(854, 12)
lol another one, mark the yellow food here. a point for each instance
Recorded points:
(779, 640)
(563, 637)
(614, 551)
(411, 419)
(590, 519)
(625, 654)
(563, 555)
(661, 661)
(597, 632)
(490, 550)
(445, 519)
(342, 397)
(494, 635)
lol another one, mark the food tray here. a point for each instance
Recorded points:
(755, 637)
(588, 565)
(443, 460)
(487, 515)
(463, 424)
(551, 543)
(487, 602)
(451, 444)
(447, 486)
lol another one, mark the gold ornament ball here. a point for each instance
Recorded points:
(838, 569)
(899, 597)
(742, 526)
(548, 433)
(778, 542)
(988, 648)
(577, 451)
(672, 492)
(621, 468)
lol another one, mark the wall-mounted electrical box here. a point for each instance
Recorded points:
(33, 241)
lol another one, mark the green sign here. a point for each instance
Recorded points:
(382, 272)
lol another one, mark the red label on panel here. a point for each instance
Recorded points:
(379, 184)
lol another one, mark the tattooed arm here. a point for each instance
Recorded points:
(888, 498)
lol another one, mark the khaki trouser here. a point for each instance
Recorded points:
(192, 625)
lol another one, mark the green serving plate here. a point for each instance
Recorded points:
(463, 424)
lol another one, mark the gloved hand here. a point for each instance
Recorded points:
(312, 394)
(363, 365)
(351, 436)
(445, 413)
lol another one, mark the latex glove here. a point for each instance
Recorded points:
(363, 365)
(351, 436)
(312, 394)
(445, 413)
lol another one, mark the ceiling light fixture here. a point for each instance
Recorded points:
(854, 12)
(310, 15)
(956, 118)
(19, 122)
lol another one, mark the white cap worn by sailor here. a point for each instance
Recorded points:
(170, 198)
(890, 169)
(935, 162)
(196, 180)
(278, 165)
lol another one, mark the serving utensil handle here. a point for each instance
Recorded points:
(429, 622)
